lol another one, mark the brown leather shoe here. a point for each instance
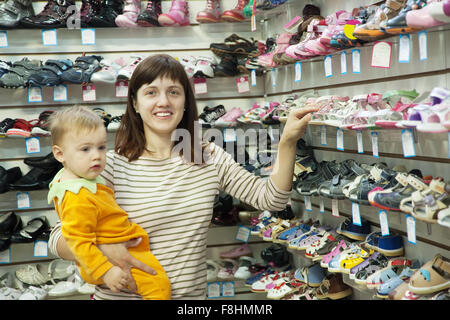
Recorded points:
(54, 15)
(332, 287)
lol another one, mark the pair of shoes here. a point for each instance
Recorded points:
(54, 15)
(82, 69)
(10, 223)
(18, 75)
(34, 229)
(178, 15)
(50, 73)
(41, 129)
(8, 176)
(212, 12)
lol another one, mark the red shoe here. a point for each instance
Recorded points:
(211, 13)
(236, 14)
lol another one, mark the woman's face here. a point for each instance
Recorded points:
(161, 105)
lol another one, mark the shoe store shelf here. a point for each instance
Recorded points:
(37, 200)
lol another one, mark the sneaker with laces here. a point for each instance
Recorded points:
(41, 129)
(5, 125)
(236, 14)
(126, 72)
(211, 13)
(204, 66)
(149, 17)
(22, 128)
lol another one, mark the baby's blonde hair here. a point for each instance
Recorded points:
(74, 118)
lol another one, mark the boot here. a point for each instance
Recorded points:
(11, 11)
(178, 15)
(89, 8)
(130, 14)
(54, 15)
(211, 13)
(236, 14)
(149, 18)
(106, 17)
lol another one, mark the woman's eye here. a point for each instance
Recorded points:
(150, 93)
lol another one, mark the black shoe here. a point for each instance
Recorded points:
(31, 231)
(36, 179)
(54, 15)
(209, 115)
(227, 66)
(9, 223)
(6, 124)
(89, 8)
(106, 16)
(149, 17)
(8, 176)
(48, 161)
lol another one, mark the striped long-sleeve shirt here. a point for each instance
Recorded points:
(173, 201)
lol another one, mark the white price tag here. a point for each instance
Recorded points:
(359, 141)
(404, 48)
(340, 139)
(213, 290)
(121, 89)
(381, 54)
(40, 248)
(323, 135)
(356, 60)
(253, 23)
(228, 289)
(253, 76)
(308, 205)
(88, 92)
(298, 72)
(32, 145)
(5, 256)
(356, 214)
(88, 36)
(4, 39)
(229, 134)
(423, 45)
(411, 229)
(343, 56)
(384, 224)
(243, 234)
(23, 200)
(321, 206)
(60, 92)
(49, 37)
(200, 86)
(34, 94)
(242, 84)
(273, 76)
(335, 207)
(374, 137)
(409, 149)
(328, 66)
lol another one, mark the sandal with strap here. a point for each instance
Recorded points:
(432, 277)
(82, 70)
(310, 183)
(234, 44)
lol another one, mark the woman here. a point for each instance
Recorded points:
(168, 193)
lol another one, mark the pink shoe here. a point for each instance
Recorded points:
(229, 118)
(178, 15)
(130, 14)
(432, 15)
(236, 14)
(211, 13)
(266, 60)
(235, 253)
(337, 250)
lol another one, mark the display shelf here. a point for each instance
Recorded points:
(24, 253)
(360, 291)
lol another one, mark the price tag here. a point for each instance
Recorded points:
(384, 222)
(242, 84)
(335, 207)
(411, 229)
(5, 256)
(32, 145)
(228, 289)
(381, 54)
(121, 89)
(409, 149)
(253, 76)
(374, 138)
(308, 205)
(423, 45)
(40, 248)
(343, 56)
(229, 134)
(243, 234)
(356, 214)
(34, 94)
(253, 23)
(273, 75)
(340, 139)
(49, 37)
(213, 290)
(4, 39)
(298, 72)
(328, 66)
(404, 48)
(23, 200)
(88, 92)
(321, 206)
(323, 135)
(60, 92)
(88, 36)
(200, 86)
(359, 141)
(356, 60)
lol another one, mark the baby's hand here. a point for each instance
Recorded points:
(116, 279)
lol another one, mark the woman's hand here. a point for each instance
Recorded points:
(296, 124)
(118, 255)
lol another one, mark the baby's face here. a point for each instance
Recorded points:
(84, 152)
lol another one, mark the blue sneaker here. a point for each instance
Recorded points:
(390, 246)
(353, 231)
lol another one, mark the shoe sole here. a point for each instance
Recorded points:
(207, 20)
(166, 21)
(401, 30)
(146, 24)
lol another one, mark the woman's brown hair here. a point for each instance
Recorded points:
(130, 139)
